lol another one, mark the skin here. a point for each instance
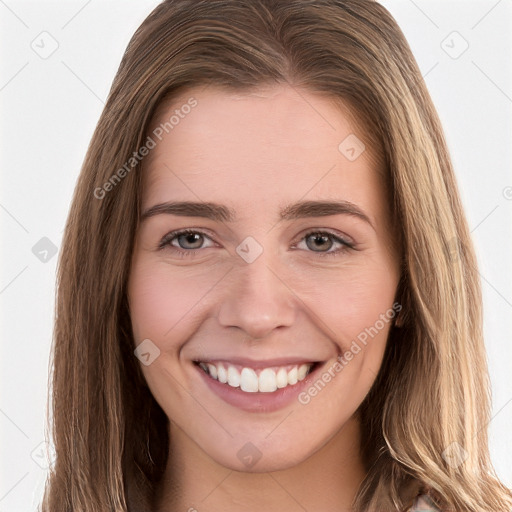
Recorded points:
(255, 153)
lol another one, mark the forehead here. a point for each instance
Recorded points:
(276, 142)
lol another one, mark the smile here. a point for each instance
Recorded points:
(250, 380)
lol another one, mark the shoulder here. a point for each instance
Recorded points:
(423, 503)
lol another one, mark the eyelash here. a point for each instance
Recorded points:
(184, 253)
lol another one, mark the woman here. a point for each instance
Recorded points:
(209, 353)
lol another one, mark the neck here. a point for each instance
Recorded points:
(328, 480)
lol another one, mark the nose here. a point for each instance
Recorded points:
(257, 299)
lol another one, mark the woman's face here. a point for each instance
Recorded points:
(284, 286)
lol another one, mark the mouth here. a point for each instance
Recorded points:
(253, 380)
(257, 386)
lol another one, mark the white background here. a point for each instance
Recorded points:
(50, 107)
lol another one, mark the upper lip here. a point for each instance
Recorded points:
(256, 364)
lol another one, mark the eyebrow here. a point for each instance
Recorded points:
(218, 212)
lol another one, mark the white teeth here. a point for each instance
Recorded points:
(221, 374)
(233, 377)
(282, 378)
(303, 371)
(213, 370)
(248, 380)
(268, 380)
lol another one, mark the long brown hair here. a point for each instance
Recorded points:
(431, 395)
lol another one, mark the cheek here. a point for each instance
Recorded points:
(352, 300)
(355, 306)
(163, 306)
(161, 301)
(166, 303)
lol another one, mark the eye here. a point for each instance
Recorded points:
(322, 242)
(184, 241)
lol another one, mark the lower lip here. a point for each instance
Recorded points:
(258, 401)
